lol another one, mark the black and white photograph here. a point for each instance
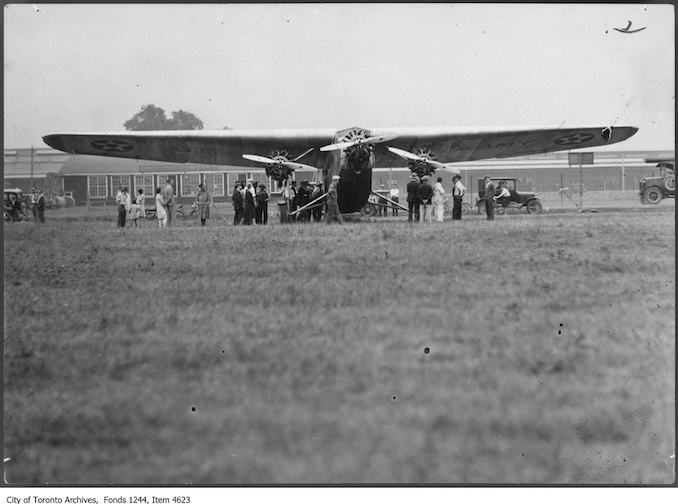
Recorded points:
(338, 244)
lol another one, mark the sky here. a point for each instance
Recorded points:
(90, 67)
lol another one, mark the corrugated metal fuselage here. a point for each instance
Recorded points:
(354, 167)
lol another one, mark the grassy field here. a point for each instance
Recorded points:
(534, 349)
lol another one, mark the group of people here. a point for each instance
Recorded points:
(426, 203)
(165, 200)
(14, 207)
(382, 205)
(250, 202)
(297, 198)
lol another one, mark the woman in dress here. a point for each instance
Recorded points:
(160, 211)
(248, 211)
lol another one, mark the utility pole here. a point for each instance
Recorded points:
(31, 167)
(581, 185)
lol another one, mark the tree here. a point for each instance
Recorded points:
(152, 118)
(182, 120)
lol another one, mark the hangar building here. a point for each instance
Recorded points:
(95, 179)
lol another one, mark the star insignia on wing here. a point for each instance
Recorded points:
(109, 145)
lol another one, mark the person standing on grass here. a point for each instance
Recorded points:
(425, 193)
(413, 199)
(203, 199)
(394, 194)
(122, 199)
(135, 212)
(489, 198)
(34, 204)
(141, 201)
(333, 213)
(238, 204)
(438, 200)
(168, 197)
(248, 209)
(160, 211)
(262, 205)
(41, 206)
(292, 199)
(458, 191)
(317, 211)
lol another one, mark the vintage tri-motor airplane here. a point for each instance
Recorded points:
(350, 153)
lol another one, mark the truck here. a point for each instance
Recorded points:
(654, 189)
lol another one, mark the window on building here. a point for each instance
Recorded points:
(144, 182)
(189, 184)
(117, 181)
(214, 183)
(96, 186)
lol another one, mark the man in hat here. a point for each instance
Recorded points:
(333, 213)
(425, 193)
(489, 197)
(413, 198)
(317, 210)
(458, 191)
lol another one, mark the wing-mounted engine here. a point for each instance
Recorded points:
(422, 161)
(278, 165)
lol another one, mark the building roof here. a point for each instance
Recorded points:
(96, 165)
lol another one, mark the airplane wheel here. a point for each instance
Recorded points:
(534, 206)
(653, 195)
(368, 210)
(465, 209)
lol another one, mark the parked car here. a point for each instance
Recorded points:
(517, 200)
(654, 189)
(15, 205)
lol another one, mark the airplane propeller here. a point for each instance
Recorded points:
(298, 167)
(358, 141)
(414, 157)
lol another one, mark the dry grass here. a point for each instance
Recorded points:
(297, 354)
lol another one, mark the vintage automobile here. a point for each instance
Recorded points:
(515, 202)
(654, 189)
(14, 205)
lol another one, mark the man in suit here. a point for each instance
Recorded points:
(413, 198)
(458, 191)
(489, 197)
(168, 196)
(238, 204)
(425, 193)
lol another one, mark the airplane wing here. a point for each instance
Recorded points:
(206, 147)
(453, 146)
(448, 145)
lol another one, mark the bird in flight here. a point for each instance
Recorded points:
(629, 30)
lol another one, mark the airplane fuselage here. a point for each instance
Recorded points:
(354, 167)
